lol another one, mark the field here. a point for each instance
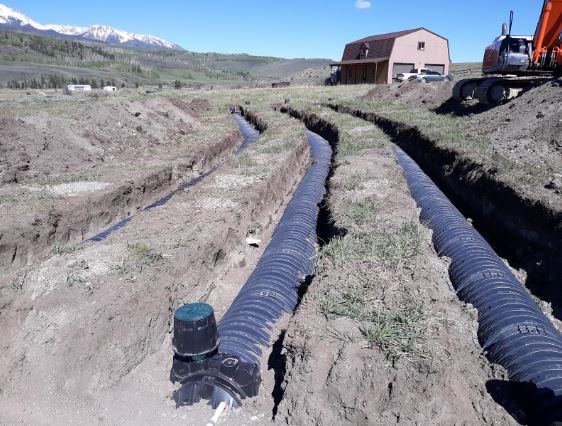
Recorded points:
(379, 335)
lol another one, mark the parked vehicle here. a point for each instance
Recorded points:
(412, 75)
(430, 75)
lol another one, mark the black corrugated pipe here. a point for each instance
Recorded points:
(248, 131)
(513, 330)
(271, 291)
(250, 135)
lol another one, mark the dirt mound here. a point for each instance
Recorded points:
(528, 129)
(96, 132)
(194, 108)
(412, 92)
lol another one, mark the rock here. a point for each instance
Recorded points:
(9, 176)
(137, 114)
(254, 242)
(555, 183)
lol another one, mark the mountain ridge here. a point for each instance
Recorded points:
(15, 20)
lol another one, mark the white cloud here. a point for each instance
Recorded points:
(362, 4)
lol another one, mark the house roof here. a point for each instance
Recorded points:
(360, 61)
(380, 46)
(393, 35)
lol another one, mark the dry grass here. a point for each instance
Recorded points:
(61, 179)
(143, 253)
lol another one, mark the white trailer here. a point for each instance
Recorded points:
(78, 88)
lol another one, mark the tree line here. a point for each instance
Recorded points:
(58, 82)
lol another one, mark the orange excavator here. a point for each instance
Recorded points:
(514, 63)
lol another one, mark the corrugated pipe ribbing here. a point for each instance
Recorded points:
(512, 328)
(249, 133)
(272, 289)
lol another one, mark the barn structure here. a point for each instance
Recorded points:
(378, 58)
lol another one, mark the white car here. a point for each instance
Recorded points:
(412, 75)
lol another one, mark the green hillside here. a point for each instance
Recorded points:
(52, 62)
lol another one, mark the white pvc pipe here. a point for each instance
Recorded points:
(218, 412)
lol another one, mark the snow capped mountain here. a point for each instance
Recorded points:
(66, 29)
(15, 20)
(9, 16)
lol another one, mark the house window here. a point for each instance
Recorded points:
(421, 45)
(364, 51)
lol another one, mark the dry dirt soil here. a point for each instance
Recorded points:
(379, 338)
(86, 327)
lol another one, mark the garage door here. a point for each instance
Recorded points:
(401, 68)
(440, 68)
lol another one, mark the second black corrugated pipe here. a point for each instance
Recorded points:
(512, 329)
(272, 289)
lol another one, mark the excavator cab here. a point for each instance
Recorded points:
(507, 54)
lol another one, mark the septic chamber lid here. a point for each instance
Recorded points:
(195, 330)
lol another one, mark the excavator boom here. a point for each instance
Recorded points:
(547, 40)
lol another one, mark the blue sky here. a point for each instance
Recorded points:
(292, 28)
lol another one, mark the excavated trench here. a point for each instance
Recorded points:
(249, 134)
(527, 233)
(265, 202)
(278, 282)
(21, 244)
(326, 229)
(513, 329)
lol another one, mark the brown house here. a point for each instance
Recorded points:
(377, 59)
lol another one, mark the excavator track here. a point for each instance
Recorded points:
(494, 90)
(464, 90)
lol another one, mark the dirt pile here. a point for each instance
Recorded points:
(528, 129)
(411, 92)
(78, 136)
(195, 107)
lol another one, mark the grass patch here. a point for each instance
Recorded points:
(380, 245)
(349, 147)
(402, 244)
(243, 160)
(354, 182)
(358, 213)
(397, 334)
(276, 148)
(58, 180)
(8, 199)
(144, 253)
(61, 249)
